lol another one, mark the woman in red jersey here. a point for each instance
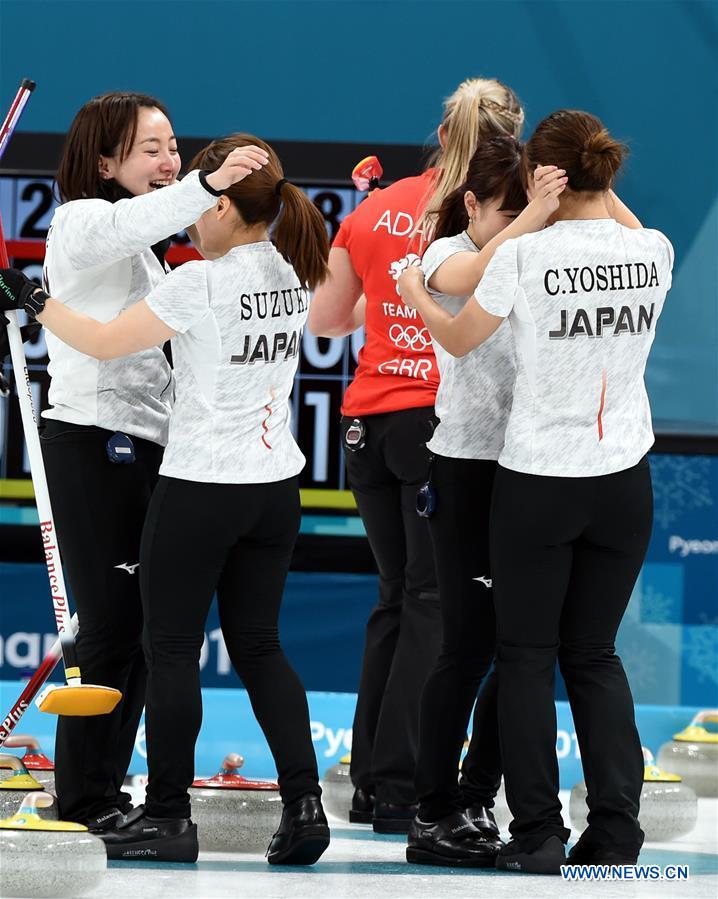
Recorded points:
(388, 416)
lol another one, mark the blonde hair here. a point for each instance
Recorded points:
(478, 109)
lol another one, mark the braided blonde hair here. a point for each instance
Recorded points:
(479, 108)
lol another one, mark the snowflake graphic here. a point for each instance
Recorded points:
(656, 607)
(680, 483)
(701, 651)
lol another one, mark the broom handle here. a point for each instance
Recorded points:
(32, 438)
(42, 496)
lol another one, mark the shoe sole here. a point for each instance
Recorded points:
(391, 825)
(183, 848)
(306, 849)
(424, 857)
(357, 817)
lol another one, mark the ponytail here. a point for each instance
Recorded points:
(300, 235)
(478, 109)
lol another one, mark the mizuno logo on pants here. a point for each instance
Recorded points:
(130, 569)
(486, 581)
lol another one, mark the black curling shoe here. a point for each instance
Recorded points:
(586, 852)
(303, 833)
(390, 817)
(544, 859)
(362, 810)
(152, 840)
(105, 820)
(452, 842)
(483, 820)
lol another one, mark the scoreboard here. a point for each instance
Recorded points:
(326, 365)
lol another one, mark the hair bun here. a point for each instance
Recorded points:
(601, 156)
(577, 142)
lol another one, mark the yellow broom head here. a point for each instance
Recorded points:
(80, 701)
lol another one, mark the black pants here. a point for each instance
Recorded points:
(236, 539)
(99, 509)
(404, 629)
(565, 555)
(460, 534)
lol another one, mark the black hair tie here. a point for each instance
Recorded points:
(278, 186)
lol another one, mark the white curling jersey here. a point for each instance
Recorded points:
(583, 298)
(474, 396)
(99, 261)
(239, 323)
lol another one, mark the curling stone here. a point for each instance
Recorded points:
(669, 808)
(693, 753)
(232, 813)
(338, 789)
(48, 858)
(15, 787)
(40, 766)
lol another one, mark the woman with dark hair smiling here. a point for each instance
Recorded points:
(108, 420)
(225, 514)
(572, 504)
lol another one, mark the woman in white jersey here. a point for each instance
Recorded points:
(387, 418)
(583, 297)
(105, 251)
(225, 514)
(472, 404)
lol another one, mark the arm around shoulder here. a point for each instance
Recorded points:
(96, 232)
(134, 330)
(459, 334)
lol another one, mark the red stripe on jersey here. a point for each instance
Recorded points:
(602, 404)
(265, 423)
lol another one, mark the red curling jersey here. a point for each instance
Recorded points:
(397, 368)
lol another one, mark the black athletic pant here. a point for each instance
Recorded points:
(460, 534)
(99, 510)
(404, 629)
(236, 539)
(565, 555)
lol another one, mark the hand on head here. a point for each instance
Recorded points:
(546, 184)
(242, 161)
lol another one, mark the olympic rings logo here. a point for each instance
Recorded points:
(409, 337)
